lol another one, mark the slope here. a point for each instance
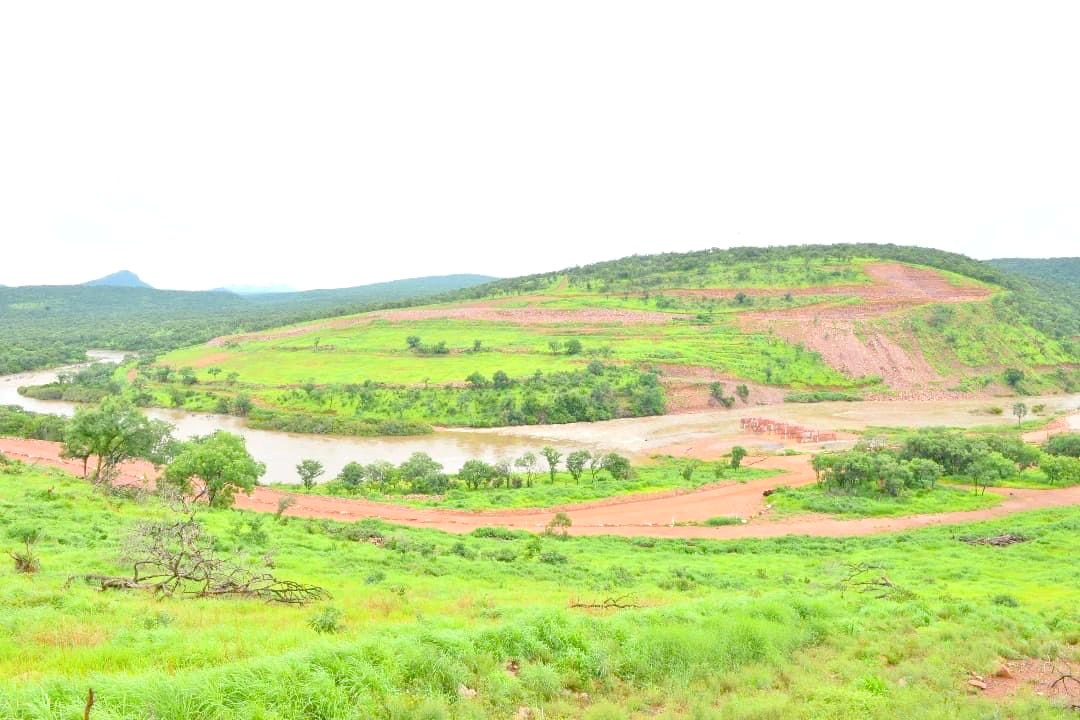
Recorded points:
(639, 336)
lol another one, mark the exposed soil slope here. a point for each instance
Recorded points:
(845, 338)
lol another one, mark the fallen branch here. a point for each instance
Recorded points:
(860, 578)
(622, 602)
(995, 540)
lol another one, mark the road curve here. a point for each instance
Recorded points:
(653, 514)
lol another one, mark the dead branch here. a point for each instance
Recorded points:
(864, 578)
(995, 540)
(178, 559)
(622, 602)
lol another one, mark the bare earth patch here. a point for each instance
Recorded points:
(841, 333)
(1058, 681)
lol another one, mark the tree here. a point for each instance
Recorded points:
(1061, 469)
(114, 432)
(382, 474)
(309, 471)
(561, 522)
(423, 474)
(413, 341)
(527, 463)
(575, 463)
(1019, 411)
(596, 464)
(477, 381)
(573, 347)
(352, 475)
(617, 466)
(1013, 377)
(737, 454)
(990, 469)
(552, 456)
(1063, 444)
(743, 392)
(500, 380)
(476, 473)
(187, 376)
(687, 470)
(221, 462)
(241, 404)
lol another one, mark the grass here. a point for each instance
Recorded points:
(745, 629)
(564, 491)
(814, 499)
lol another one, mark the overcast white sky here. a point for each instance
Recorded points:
(325, 145)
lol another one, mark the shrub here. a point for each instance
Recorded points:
(327, 621)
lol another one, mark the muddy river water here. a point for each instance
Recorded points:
(636, 436)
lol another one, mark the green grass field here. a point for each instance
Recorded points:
(431, 625)
(813, 499)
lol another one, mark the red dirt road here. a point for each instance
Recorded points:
(653, 514)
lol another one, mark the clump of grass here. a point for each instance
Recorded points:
(721, 520)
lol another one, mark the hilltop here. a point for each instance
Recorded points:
(647, 335)
(124, 278)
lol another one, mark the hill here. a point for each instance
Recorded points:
(1064, 270)
(646, 335)
(51, 325)
(124, 278)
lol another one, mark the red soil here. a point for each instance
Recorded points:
(834, 330)
(653, 514)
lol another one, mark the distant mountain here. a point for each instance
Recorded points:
(1064, 270)
(124, 278)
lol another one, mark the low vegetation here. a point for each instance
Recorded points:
(417, 623)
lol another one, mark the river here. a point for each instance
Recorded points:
(636, 436)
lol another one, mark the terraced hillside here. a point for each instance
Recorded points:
(635, 337)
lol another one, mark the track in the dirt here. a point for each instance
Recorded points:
(652, 515)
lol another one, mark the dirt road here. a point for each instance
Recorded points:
(653, 514)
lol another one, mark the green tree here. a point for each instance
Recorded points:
(552, 456)
(737, 454)
(382, 474)
(309, 471)
(423, 474)
(476, 474)
(617, 466)
(573, 347)
(575, 463)
(1061, 469)
(1019, 411)
(1013, 377)
(1063, 444)
(113, 432)
(527, 463)
(221, 462)
(352, 475)
(990, 469)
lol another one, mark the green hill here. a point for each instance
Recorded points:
(645, 335)
(1064, 270)
(50, 325)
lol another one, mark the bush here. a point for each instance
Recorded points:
(327, 621)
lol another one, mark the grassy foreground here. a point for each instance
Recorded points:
(428, 625)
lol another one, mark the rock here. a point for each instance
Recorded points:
(973, 682)
(465, 691)
(523, 713)
(1003, 672)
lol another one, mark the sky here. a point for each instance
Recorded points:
(334, 144)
